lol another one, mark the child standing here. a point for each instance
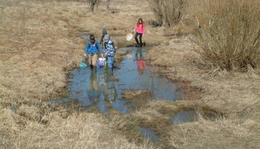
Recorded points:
(92, 50)
(110, 51)
(101, 41)
(140, 30)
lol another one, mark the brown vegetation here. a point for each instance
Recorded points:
(41, 43)
(228, 33)
(233, 95)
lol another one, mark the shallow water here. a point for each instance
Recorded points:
(89, 89)
(184, 117)
(149, 134)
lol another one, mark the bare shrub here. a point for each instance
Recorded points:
(93, 3)
(167, 12)
(108, 4)
(228, 32)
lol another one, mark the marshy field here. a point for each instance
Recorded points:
(199, 89)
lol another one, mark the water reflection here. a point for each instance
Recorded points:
(94, 93)
(103, 92)
(110, 92)
(140, 63)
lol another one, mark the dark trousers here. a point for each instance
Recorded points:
(140, 38)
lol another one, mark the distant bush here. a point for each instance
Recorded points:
(92, 3)
(228, 32)
(167, 12)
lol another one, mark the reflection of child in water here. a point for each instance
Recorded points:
(140, 63)
(140, 66)
(93, 92)
(110, 91)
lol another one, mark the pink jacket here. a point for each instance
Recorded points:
(140, 28)
(140, 64)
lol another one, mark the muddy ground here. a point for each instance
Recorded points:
(41, 44)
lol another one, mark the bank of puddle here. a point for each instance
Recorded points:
(102, 89)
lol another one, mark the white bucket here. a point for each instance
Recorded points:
(101, 62)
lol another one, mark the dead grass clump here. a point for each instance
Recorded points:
(186, 91)
(77, 131)
(221, 133)
(31, 113)
(131, 127)
(228, 32)
(169, 110)
(135, 94)
(137, 98)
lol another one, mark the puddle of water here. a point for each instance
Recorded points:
(184, 117)
(149, 134)
(131, 78)
(98, 88)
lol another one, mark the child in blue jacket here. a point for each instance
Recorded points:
(92, 50)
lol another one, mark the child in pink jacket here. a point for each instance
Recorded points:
(140, 30)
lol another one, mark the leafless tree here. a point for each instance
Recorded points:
(108, 3)
(93, 4)
(167, 12)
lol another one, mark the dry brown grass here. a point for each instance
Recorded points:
(77, 131)
(36, 49)
(234, 132)
(230, 93)
(229, 32)
(40, 45)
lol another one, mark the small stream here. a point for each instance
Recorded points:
(102, 89)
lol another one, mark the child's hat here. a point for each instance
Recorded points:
(107, 37)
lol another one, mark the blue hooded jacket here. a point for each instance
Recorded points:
(92, 48)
